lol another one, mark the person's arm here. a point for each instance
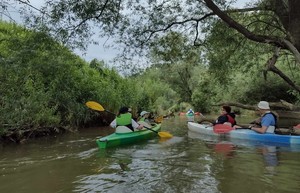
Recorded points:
(113, 124)
(237, 127)
(265, 122)
(135, 125)
(221, 119)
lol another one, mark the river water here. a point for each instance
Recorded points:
(185, 163)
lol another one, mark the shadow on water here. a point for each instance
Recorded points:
(184, 163)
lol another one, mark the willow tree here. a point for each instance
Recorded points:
(282, 17)
(177, 61)
(134, 24)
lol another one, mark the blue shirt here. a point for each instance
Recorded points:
(268, 120)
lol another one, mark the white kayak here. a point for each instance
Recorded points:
(246, 134)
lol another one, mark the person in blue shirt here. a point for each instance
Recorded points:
(268, 119)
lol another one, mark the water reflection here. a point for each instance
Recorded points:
(245, 166)
(157, 166)
(270, 156)
(225, 148)
(185, 163)
(228, 149)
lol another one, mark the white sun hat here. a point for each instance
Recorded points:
(144, 113)
(263, 105)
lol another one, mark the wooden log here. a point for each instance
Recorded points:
(282, 108)
(206, 120)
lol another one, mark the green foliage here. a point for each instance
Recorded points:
(240, 70)
(152, 94)
(184, 106)
(177, 60)
(44, 84)
(74, 23)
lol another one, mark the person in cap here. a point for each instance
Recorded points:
(268, 121)
(144, 119)
(124, 122)
(144, 115)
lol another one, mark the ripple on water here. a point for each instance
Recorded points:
(154, 167)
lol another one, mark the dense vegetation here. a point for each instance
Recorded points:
(44, 85)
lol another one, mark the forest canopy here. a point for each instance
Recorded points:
(194, 54)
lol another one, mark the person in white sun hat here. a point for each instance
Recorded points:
(268, 119)
(144, 119)
(267, 122)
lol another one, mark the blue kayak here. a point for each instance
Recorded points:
(246, 134)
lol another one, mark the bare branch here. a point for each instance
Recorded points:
(197, 20)
(235, 25)
(27, 3)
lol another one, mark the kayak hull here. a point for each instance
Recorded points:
(118, 139)
(246, 134)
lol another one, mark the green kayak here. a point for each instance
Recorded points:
(117, 139)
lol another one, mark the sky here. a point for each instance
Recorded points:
(100, 52)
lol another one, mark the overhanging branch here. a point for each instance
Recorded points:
(240, 28)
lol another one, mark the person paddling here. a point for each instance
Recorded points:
(144, 116)
(226, 117)
(268, 119)
(144, 119)
(124, 119)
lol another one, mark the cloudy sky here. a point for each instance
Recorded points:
(99, 51)
(93, 51)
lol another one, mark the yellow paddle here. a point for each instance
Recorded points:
(96, 106)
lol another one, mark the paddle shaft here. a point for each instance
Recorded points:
(110, 112)
(150, 129)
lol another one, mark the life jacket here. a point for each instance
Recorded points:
(190, 113)
(275, 117)
(124, 120)
(231, 119)
(269, 128)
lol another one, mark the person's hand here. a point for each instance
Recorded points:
(236, 127)
(140, 127)
(228, 123)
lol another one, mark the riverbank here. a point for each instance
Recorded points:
(20, 136)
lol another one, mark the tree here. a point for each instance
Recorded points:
(44, 86)
(285, 18)
(177, 60)
(136, 24)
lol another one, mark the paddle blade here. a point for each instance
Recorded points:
(94, 105)
(164, 134)
(222, 128)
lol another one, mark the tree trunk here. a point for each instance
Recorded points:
(282, 108)
(288, 13)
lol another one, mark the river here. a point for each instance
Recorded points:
(185, 163)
